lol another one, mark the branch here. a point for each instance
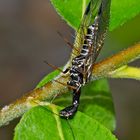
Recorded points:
(107, 66)
(102, 69)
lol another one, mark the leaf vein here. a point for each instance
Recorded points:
(58, 122)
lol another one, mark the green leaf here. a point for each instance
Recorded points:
(41, 124)
(121, 11)
(96, 101)
(47, 78)
(71, 10)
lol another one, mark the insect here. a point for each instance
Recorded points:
(93, 40)
(93, 35)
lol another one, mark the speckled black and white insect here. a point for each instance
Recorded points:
(82, 65)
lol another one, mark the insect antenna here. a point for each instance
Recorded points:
(42, 104)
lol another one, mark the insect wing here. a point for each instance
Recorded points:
(103, 22)
(87, 20)
(90, 13)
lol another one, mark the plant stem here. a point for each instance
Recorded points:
(19, 107)
(126, 72)
(102, 69)
(107, 66)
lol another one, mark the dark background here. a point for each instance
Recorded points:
(28, 36)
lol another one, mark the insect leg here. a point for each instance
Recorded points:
(68, 43)
(53, 66)
(57, 68)
(69, 86)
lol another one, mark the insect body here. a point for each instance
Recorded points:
(80, 72)
(81, 69)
